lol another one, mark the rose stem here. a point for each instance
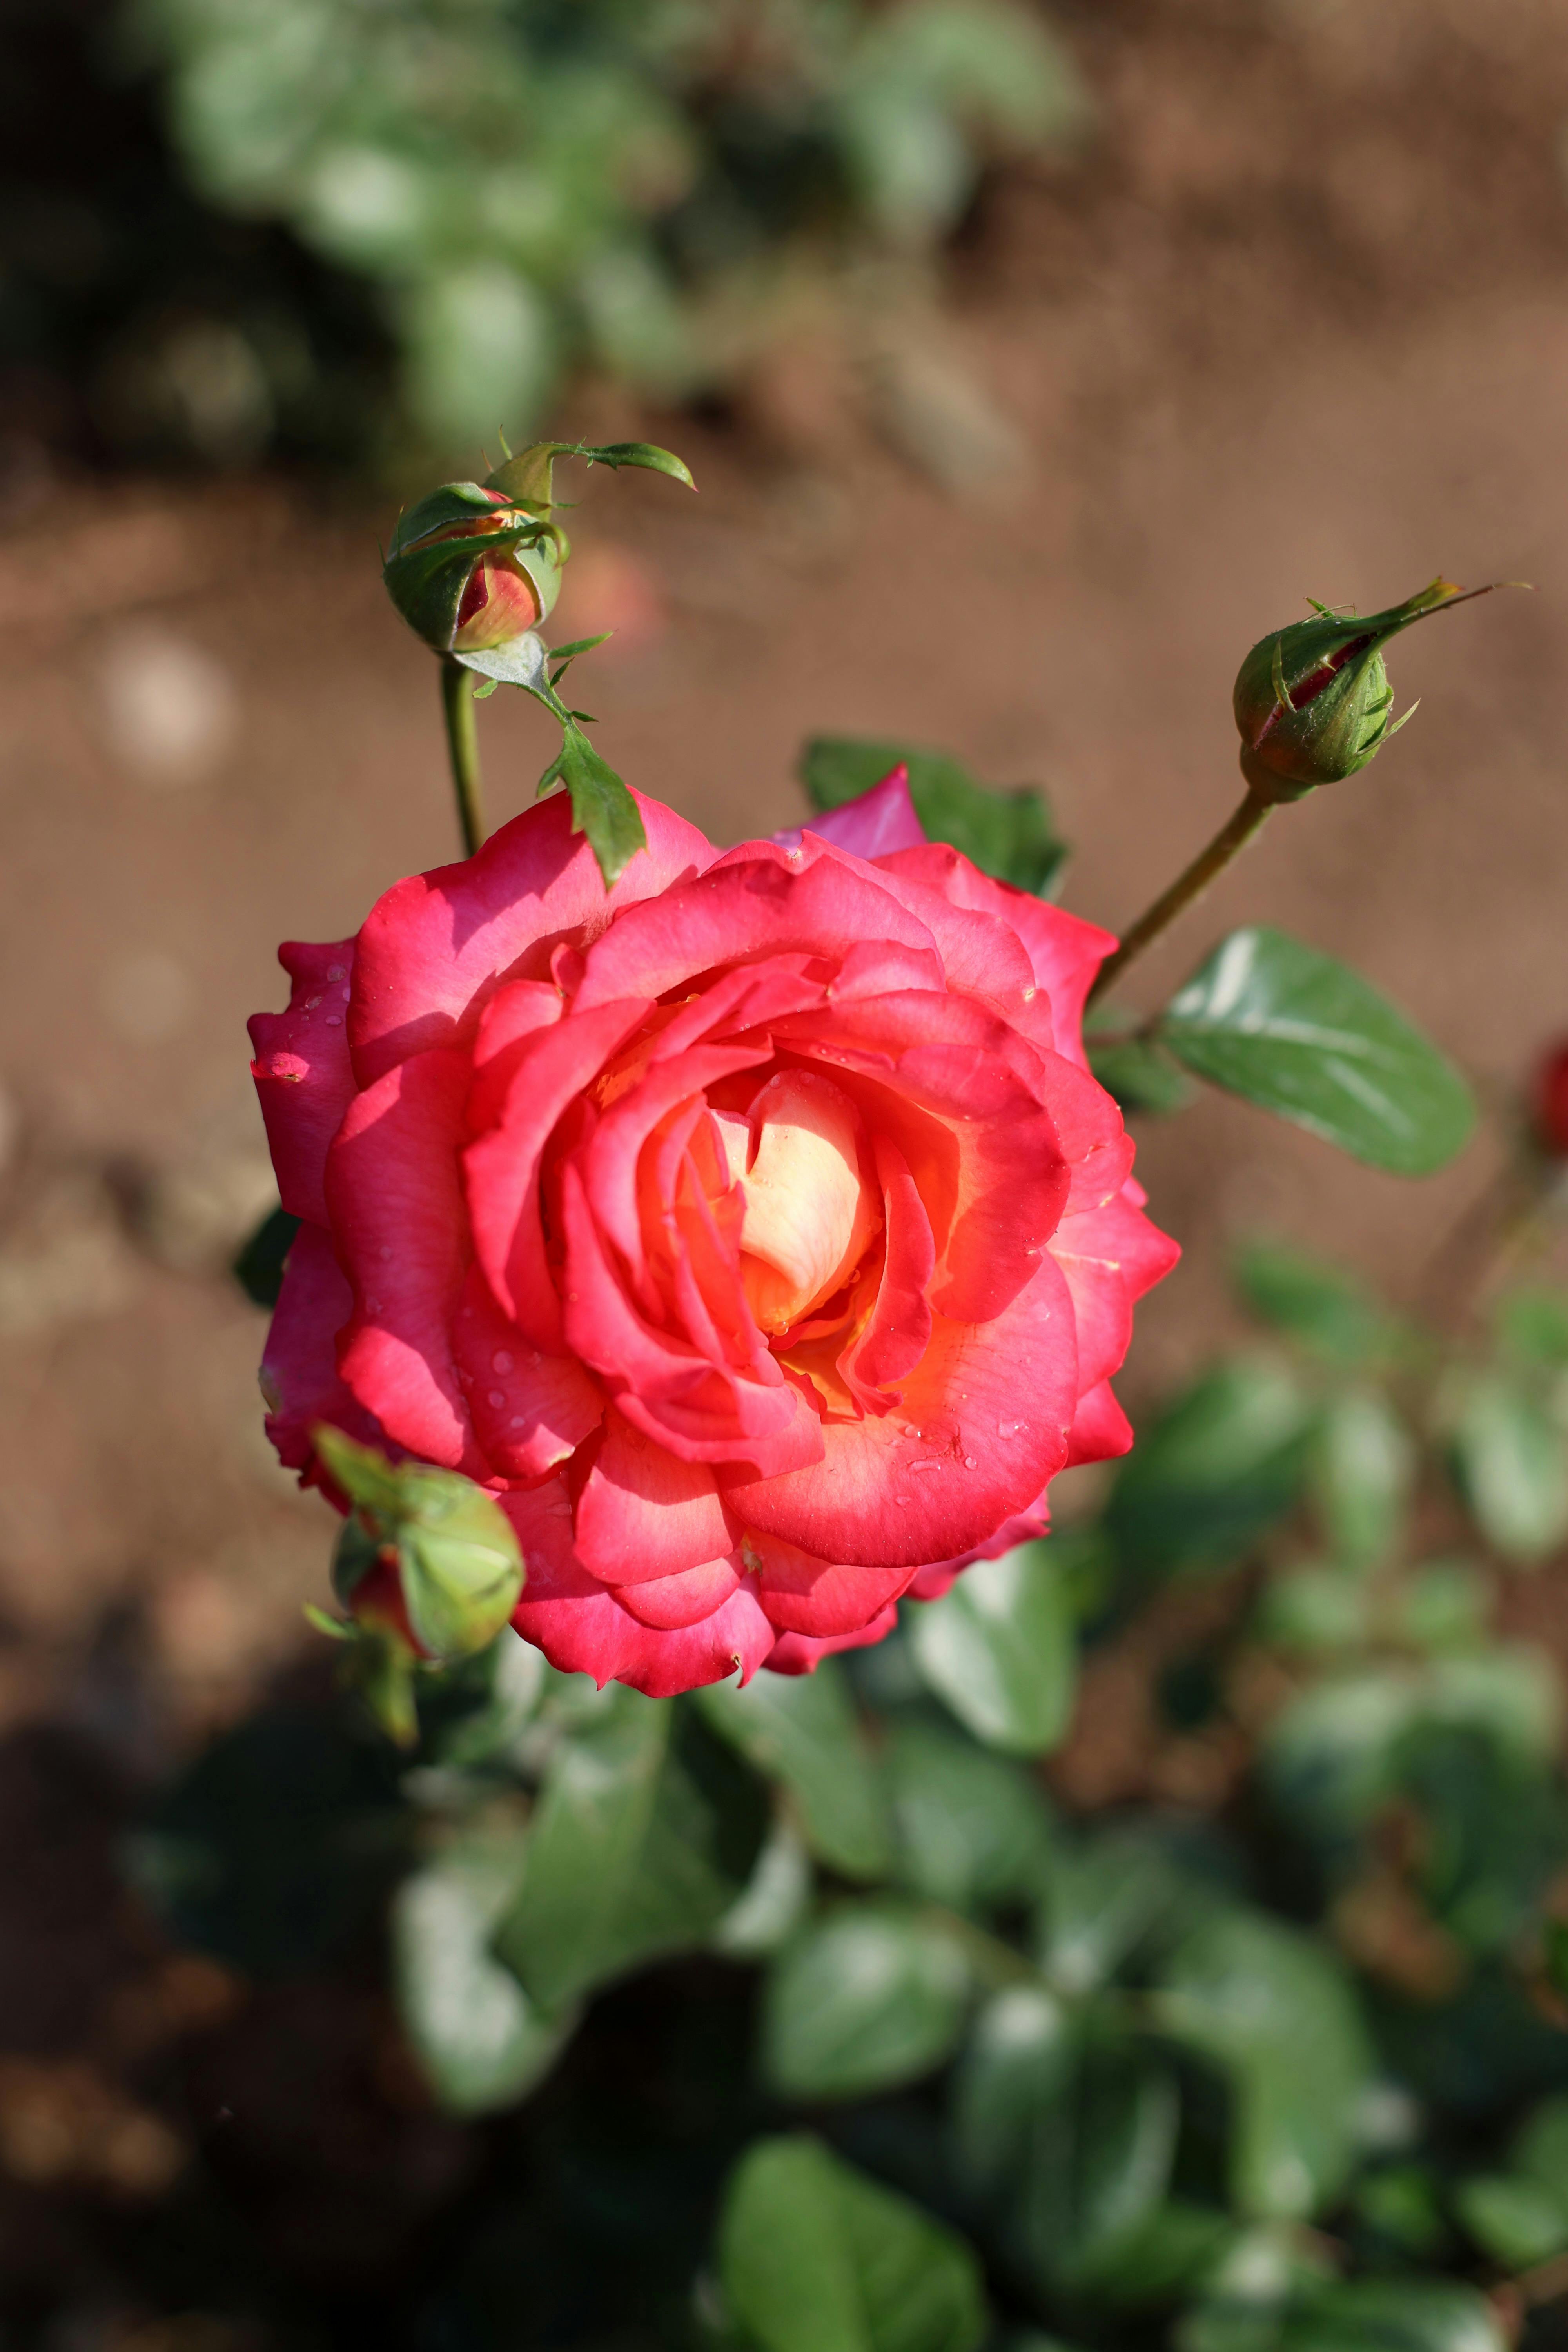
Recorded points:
(463, 748)
(1232, 836)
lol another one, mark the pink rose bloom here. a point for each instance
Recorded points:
(754, 1230)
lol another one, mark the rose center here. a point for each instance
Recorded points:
(806, 1219)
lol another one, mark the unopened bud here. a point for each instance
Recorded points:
(426, 1554)
(475, 565)
(1550, 1105)
(1313, 701)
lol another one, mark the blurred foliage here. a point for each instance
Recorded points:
(503, 191)
(844, 2023)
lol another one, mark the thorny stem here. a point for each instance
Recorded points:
(463, 750)
(1232, 836)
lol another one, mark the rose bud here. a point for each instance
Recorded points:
(426, 1554)
(1313, 701)
(752, 1234)
(1551, 1103)
(475, 565)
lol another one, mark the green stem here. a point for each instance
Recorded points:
(463, 748)
(1232, 836)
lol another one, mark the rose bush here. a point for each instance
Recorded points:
(755, 1231)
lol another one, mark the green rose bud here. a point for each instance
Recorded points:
(1313, 701)
(426, 1551)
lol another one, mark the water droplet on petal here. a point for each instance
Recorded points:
(518, 1421)
(335, 1021)
(970, 1462)
(337, 971)
(501, 1361)
(495, 1397)
(311, 1002)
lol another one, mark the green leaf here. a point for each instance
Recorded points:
(259, 1265)
(1396, 2315)
(802, 1729)
(813, 2257)
(1272, 1020)
(478, 2037)
(1217, 1469)
(273, 1848)
(872, 1996)
(1513, 1468)
(1540, 2152)
(1000, 1649)
(1318, 1305)
(1139, 1074)
(1532, 1326)
(1362, 1470)
(1010, 834)
(1099, 2167)
(1277, 2013)
(1328, 1756)
(1517, 2222)
(1016, 2060)
(645, 1836)
(602, 808)
(1105, 1901)
(972, 1830)
(1314, 1609)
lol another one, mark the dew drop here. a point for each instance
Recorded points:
(495, 1397)
(501, 1361)
(348, 995)
(901, 1500)
(927, 1466)
(337, 971)
(970, 1462)
(311, 1002)
(335, 1021)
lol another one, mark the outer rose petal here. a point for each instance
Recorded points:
(394, 1190)
(583, 1630)
(303, 1072)
(643, 1515)
(1100, 1430)
(299, 1364)
(879, 821)
(435, 948)
(805, 1595)
(1065, 950)
(1024, 1527)
(530, 1410)
(796, 1653)
(1111, 1256)
(669, 1604)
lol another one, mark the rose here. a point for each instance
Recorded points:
(754, 1231)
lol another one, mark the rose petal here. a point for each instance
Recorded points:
(303, 1075)
(530, 1409)
(806, 1595)
(582, 1628)
(878, 823)
(437, 946)
(668, 1603)
(981, 1431)
(1100, 1430)
(395, 1193)
(299, 1363)
(642, 1514)
(899, 1330)
(794, 1654)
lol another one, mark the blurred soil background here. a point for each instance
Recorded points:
(1296, 323)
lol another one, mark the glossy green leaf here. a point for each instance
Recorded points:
(1362, 1470)
(972, 1830)
(1517, 2222)
(1278, 2013)
(815, 2257)
(646, 1834)
(258, 1264)
(1017, 2058)
(872, 1996)
(803, 1730)
(1106, 1900)
(1319, 1305)
(1000, 1649)
(1099, 2167)
(1512, 1463)
(1218, 1468)
(1139, 1074)
(478, 2037)
(1298, 1034)
(1011, 834)
(1396, 2315)
(1314, 1609)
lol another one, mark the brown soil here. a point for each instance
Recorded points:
(1299, 326)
